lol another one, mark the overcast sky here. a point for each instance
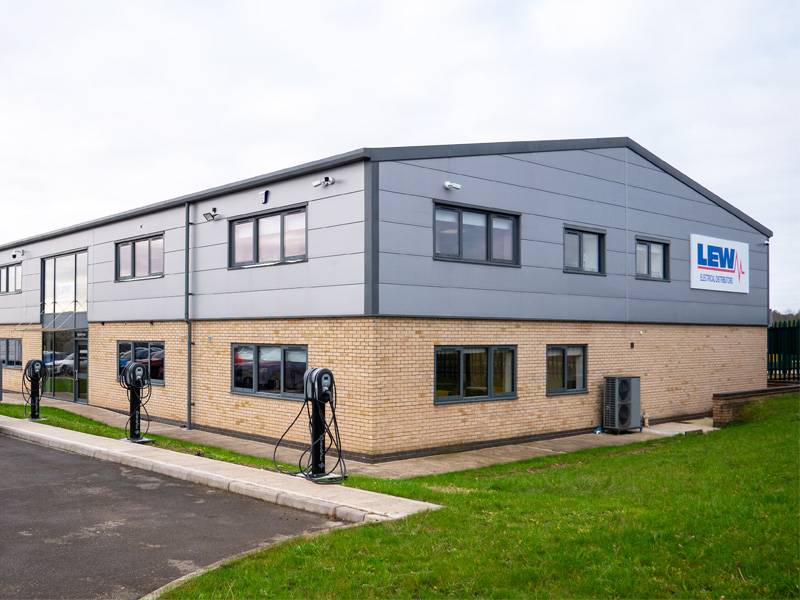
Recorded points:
(110, 105)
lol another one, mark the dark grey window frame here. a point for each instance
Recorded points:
(601, 250)
(254, 217)
(253, 391)
(5, 274)
(5, 342)
(567, 391)
(159, 382)
(461, 398)
(489, 212)
(43, 284)
(131, 242)
(649, 241)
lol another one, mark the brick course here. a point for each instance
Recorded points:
(31, 335)
(384, 370)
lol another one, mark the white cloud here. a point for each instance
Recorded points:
(108, 105)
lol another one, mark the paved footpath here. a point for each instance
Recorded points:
(396, 469)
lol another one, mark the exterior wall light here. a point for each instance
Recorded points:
(211, 216)
(452, 185)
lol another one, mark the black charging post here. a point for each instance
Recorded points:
(321, 384)
(33, 378)
(136, 380)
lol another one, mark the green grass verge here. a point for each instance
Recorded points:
(62, 418)
(697, 516)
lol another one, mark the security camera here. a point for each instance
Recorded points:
(324, 182)
(452, 185)
(17, 254)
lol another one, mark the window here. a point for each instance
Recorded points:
(11, 279)
(475, 235)
(137, 259)
(150, 354)
(652, 260)
(469, 373)
(584, 251)
(566, 369)
(11, 353)
(269, 370)
(270, 239)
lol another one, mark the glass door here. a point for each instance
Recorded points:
(82, 371)
(64, 365)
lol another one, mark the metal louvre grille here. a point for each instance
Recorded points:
(610, 403)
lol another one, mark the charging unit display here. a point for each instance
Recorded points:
(135, 380)
(319, 390)
(33, 377)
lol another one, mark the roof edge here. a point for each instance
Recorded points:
(207, 194)
(703, 191)
(401, 153)
(456, 150)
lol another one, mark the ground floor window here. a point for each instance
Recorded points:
(11, 352)
(566, 369)
(150, 354)
(268, 369)
(468, 373)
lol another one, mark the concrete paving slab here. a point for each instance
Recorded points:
(284, 490)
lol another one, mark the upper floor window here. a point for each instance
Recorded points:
(65, 291)
(268, 239)
(584, 251)
(652, 260)
(471, 235)
(11, 279)
(11, 352)
(140, 258)
(469, 373)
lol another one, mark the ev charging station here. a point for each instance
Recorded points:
(33, 377)
(319, 389)
(135, 380)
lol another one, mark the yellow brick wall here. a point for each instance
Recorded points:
(345, 345)
(31, 336)
(168, 400)
(680, 368)
(384, 369)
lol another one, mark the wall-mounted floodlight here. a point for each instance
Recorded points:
(211, 216)
(452, 185)
(324, 182)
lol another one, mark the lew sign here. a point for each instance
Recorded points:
(720, 265)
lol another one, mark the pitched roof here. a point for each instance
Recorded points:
(402, 153)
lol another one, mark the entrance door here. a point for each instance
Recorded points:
(81, 371)
(64, 365)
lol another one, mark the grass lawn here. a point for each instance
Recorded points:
(62, 418)
(699, 516)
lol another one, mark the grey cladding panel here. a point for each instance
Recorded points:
(578, 161)
(338, 300)
(482, 172)
(679, 207)
(450, 302)
(412, 282)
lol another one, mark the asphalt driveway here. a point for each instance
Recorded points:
(76, 527)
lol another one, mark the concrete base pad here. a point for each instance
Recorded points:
(338, 502)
